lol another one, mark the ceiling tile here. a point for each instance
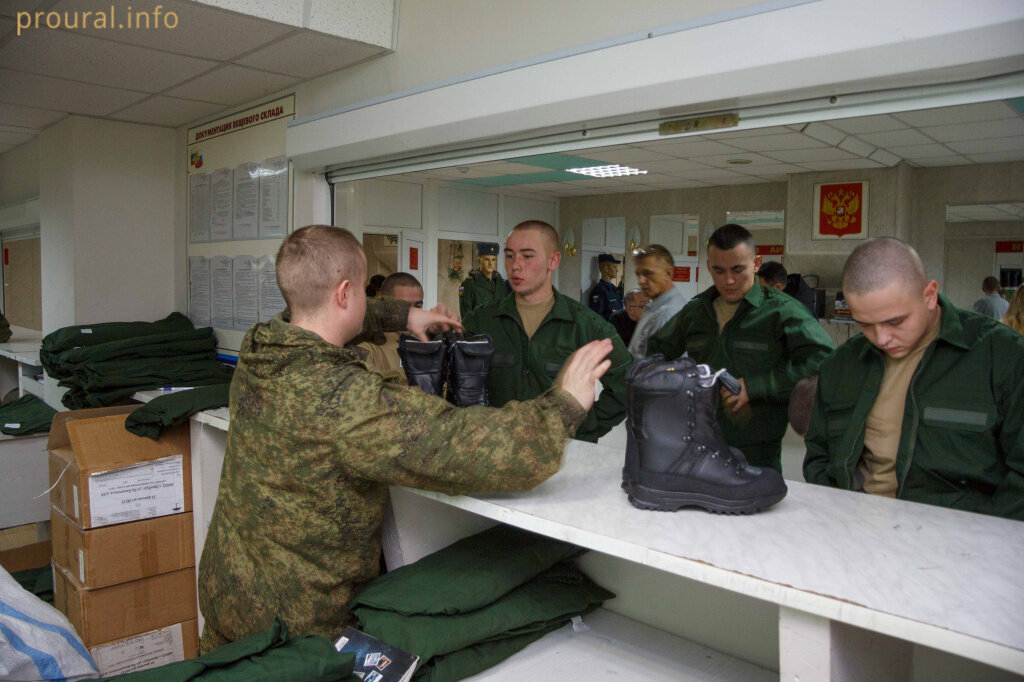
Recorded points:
(201, 31)
(895, 138)
(920, 151)
(976, 131)
(309, 54)
(693, 148)
(824, 133)
(167, 111)
(867, 124)
(28, 117)
(806, 155)
(673, 166)
(849, 164)
(232, 85)
(10, 8)
(738, 180)
(4, 148)
(63, 54)
(30, 90)
(855, 145)
(506, 168)
(771, 143)
(999, 144)
(7, 26)
(967, 113)
(998, 157)
(777, 169)
(710, 174)
(722, 161)
(14, 135)
(629, 156)
(939, 161)
(289, 12)
(884, 157)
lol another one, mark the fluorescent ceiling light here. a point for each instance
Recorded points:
(613, 170)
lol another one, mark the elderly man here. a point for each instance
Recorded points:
(992, 304)
(927, 404)
(315, 440)
(653, 266)
(766, 339)
(626, 319)
(537, 329)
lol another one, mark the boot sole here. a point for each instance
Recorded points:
(649, 499)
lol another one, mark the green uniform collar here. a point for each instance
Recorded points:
(476, 274)
(754, 297)
(559, 311)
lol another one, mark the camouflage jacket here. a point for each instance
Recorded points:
(315, 440)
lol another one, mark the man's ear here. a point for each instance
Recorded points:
(555, 259)
(757, 263)
(342, 296)
(931, 294)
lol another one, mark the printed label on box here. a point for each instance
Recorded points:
(139, 491)
(148, 650)
(74, 493)
(81, 565)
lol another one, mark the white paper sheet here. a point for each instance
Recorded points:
(222, 284)
(221, 205)
(199, 290)
(245, 292)
(271, 300)
(247, 192)
(274, 198)
(199, 207)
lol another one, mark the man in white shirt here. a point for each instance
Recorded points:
(653, 266)
(992, 304)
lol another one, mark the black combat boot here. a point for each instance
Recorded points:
(468, 362)
(676, 455)
(424, 363)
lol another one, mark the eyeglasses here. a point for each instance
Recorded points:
(634, 305)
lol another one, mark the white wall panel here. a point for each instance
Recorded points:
(393, 204)
(466, 211)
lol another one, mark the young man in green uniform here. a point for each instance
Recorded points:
(484, 285)
(537, 328)
(766, 339)
(315, 440)
(927, 404)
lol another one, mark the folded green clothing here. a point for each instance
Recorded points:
(171, 370)
(270, 656)
(38, 581)
(67, 338)
(174, 408)
(78, 398)
(553, 597)
(27, 414)
(479, 657)
(172, 344)
(488, 564)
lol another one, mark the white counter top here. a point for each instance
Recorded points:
(943, 578)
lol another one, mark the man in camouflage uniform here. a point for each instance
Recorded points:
(316, 438)
(484, 285)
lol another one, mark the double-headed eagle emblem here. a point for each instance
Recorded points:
(840, 208)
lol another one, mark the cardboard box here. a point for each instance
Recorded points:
(106, 556)
(174, 643)
(119, 611)
(35, 555)
(102, 474)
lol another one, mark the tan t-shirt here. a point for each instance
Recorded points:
(724, 311)
(885, 421)
(384, 359)
(532, 314)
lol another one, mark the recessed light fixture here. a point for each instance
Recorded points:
(613, 170)
(739, 162)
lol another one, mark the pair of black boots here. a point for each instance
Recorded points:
(676, 455)
(452, 368)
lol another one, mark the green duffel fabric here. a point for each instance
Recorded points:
(488, 564)
(28, 414)
(5, 329)
(172, 344)
(174, 408)
(270, 656)
(67, 338)
(477, 658)
(173, 370)
(38, 581)
(550, 599)
(77, 398)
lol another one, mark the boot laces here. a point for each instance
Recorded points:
(707, 377)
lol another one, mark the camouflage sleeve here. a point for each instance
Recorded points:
(382, 315)
(402, 436)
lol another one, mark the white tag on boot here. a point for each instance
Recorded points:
(578, 625)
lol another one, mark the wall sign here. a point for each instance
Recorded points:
(769, 250)
(841, 210)
(1009, 247)
(264, 113)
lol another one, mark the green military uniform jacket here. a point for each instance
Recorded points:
(962, 442)
(5, 329)
(524, 368)
(315, 439)
(477, 291)
(771, 343)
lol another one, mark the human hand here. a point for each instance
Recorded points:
(438, 318)
(735, 403)
(582, 370)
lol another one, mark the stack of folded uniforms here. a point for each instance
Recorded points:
(28, 414)
(472, 604)
(167, 410)
(101, 364)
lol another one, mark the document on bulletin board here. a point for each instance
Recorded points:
(222, 298)
(274, 198)
(271, 300)
(199, 290)
(246, 292)
(246, 200)
(199, 207)
(221, 205)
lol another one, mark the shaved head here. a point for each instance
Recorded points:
(550, 234)
(313, 261)
(879, 262)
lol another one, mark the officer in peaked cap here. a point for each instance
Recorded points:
(484, 284)
(606, 297)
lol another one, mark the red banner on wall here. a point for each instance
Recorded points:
(769, 250)
(1009, 247)
(414, 258)
(681, 273)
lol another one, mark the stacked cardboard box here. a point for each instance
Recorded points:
(122, 537)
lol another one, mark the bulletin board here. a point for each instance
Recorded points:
(240, 188)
